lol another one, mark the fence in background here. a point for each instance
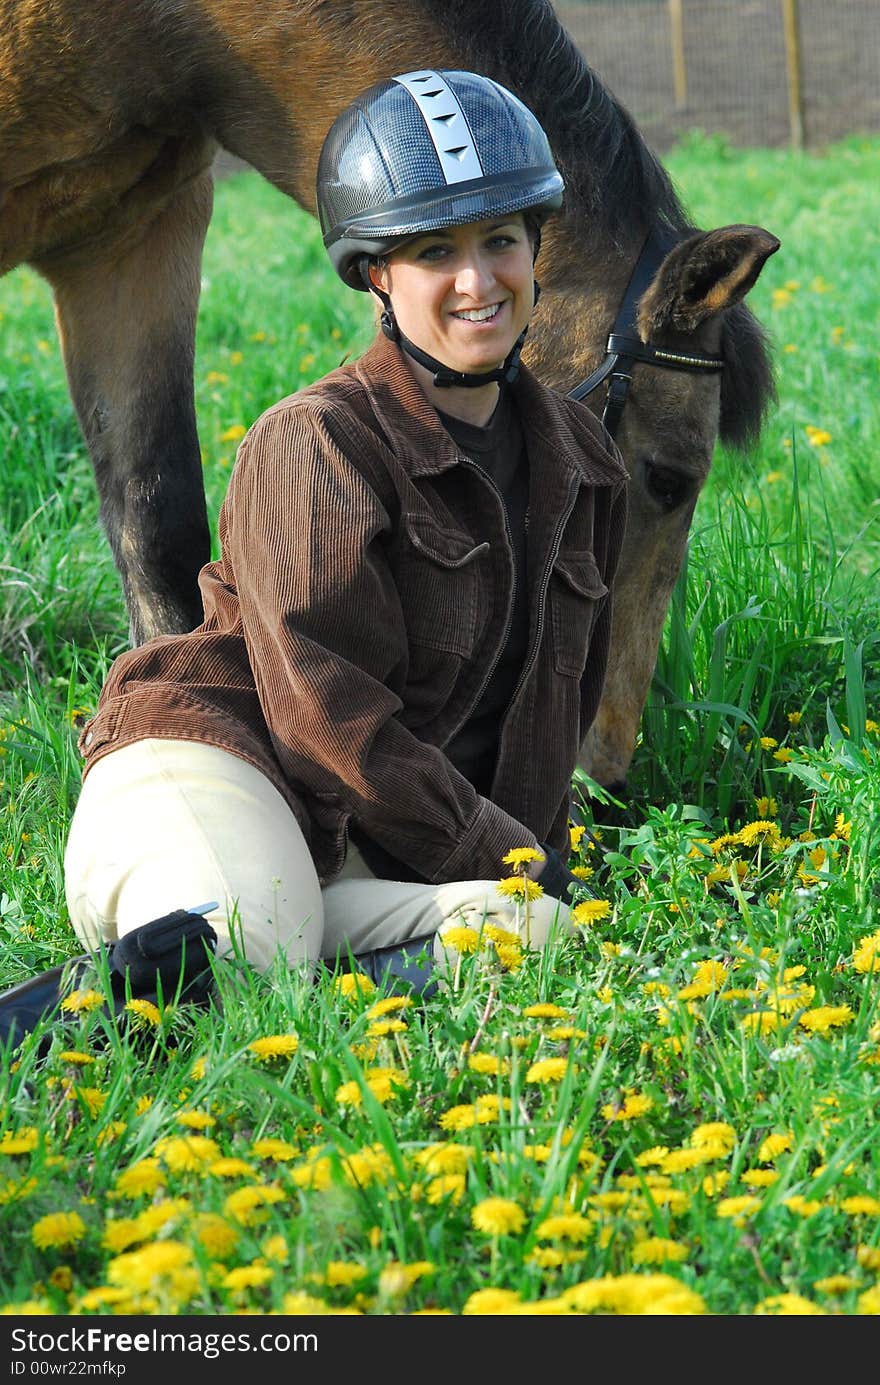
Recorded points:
(759, 72)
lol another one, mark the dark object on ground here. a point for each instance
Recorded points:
(164, 961)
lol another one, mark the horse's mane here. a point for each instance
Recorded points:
(613, 179)
(608, 168)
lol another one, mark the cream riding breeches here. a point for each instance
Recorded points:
(164, 824)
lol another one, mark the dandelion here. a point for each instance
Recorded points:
(861, 1206)
(658, 1250)
(247, 1277)
(866, 957)
(57, 1230)
(774, 1145)
(390, 1005)
(248, 1205)
(233, 433)
(826, 1017)
(461, 938)
(801, 1206)
(498, 1216)
(570, 1227)
(548, 1070)
(269, 1148)
(489, 1063)
(215, 1235)
(141, 1179)
(519, 887)
(76, 1059)
(443, 1157)
(787, 1305)
(195, 1120)
(590, 911)
(144, 1011)
(521, 856)
(632, 1106)
(785, 755)
(82, 1002)
(489, 1302)
(187, 1153)
(354, 983)
(443, 1186)
(230, 1168)
(273, 1047)
(736, 1208)
(575, 835)
(818, 437)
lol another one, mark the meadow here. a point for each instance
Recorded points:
(672, 1112)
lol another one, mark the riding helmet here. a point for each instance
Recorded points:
(424, 150)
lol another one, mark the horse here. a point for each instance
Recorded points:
(111, 115)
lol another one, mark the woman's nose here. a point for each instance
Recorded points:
(473, 275)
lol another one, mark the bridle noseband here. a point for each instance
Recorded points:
(624, 347)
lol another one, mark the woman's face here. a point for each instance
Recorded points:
(465, 293)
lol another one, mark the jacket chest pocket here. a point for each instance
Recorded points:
(439, 584)
(576, 592)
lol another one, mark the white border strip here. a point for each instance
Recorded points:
(446, 124)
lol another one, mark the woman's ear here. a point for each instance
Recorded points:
(377, 271)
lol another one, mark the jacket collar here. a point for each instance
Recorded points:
(562, 428)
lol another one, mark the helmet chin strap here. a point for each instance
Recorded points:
(444, 376)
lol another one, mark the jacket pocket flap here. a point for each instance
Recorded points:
(448, 547)
(579, 571)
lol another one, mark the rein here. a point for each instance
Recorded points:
(624, 347)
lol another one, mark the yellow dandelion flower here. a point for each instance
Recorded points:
(187, 1153)
(231, 1168)
(248, 1205)
(826, 1017)
(489, 1063)
(658, 1250)
(390, 1005)
(735, 1207)
(141, 1179)
(354, 983)
(459, 1118)
(510, 955)
(548, 1070)
(632, 1106)
(57, 1230)
(836, 1284)
(271, 1148)
(215, 1235)
(774, 1145)
(247, 1277)
(861, 1206)
(233, 432)
(570, 1226)
(583, 872)
(81, 1002)
(443, 1157)
(498, 1216)
(75, 1059)
(144, 1010)
(589, 911)
(274, 1046)
(461, 938)
(490, 1302)
(866, 957)
(575, 835)
(195, 1120)
(519, 887)
(443, 1186)
(801, 1206)
(545, 1011)
(522, 855)
(787, 1305)
(868, 1257)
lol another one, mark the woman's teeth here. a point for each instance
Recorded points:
(478, 314)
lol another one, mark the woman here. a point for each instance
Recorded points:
(406, 632)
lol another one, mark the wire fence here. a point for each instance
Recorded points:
(758, 72)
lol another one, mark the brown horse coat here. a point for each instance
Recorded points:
(110, 117)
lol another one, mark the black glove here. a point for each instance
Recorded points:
(556, 879)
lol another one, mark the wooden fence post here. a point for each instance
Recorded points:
(676, 35)
(793, 70)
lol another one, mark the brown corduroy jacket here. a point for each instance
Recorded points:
(357, 610)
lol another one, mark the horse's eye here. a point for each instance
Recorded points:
(668, 487)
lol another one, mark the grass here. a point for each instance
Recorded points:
(672, 1111)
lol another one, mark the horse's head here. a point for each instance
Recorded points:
(667, 429)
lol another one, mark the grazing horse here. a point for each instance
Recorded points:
(111, 114)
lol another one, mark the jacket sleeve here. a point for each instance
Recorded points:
(304, 537)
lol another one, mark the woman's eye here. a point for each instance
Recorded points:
(433, 252)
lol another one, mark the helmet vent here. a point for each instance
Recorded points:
(428, 90)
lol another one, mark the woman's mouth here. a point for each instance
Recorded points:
(478, 314)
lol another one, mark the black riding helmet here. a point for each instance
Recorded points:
(421, 151)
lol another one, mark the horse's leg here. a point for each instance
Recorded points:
(126, 313)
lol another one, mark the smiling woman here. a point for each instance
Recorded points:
(406, 632)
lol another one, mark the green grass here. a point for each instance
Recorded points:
(688, 1123)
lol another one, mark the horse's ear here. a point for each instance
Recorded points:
(702, 276)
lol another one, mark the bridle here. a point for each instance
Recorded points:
(624, 347)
